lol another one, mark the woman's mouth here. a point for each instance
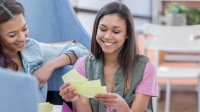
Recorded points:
(20, 45)
(108, 43)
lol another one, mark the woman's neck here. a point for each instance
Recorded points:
(111, 60)
(11, 54)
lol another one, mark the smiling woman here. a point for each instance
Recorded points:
(13, 38)
(22, 54)
(130, 78)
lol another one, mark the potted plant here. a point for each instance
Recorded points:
(193, 16)
(176, 14)
(181, 15)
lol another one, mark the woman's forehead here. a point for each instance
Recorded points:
(13, 24)
(112, 19)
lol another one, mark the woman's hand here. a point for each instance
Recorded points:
(68, 93)
(112, 100)
(44, 73)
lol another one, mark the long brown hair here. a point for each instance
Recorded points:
(8, 8)
(129, 54)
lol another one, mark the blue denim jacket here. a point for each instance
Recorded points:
(36, 54)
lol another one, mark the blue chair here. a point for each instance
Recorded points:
(54, 21)
(19, 92)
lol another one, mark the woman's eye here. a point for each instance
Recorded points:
(116, 32)
(102, 29)
(24, 29)
(12, 35)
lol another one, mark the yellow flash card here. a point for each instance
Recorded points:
(73, 75)
(91, 91)
(82, 85)
(92, 83)
(45, 107)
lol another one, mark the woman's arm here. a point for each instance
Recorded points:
(56, 56)
(80, 103)
(140, 103)
(47, 69)
(146, 89)
(115, 101)
(50, 51)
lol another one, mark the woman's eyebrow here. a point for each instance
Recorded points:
(15, 31)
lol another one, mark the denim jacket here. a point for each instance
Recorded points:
(36, 54)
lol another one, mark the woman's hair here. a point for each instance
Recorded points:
(129, 54)
(8, 8)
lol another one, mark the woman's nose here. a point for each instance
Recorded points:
(21, 36)
(108, 35)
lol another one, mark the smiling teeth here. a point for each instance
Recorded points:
(108, 43)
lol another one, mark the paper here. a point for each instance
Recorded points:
(45, 107)
(82, 85)
(73, 75)
(91, 91)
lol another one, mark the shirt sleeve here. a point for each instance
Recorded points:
(149, 84)
(51, 51)
(80, 66)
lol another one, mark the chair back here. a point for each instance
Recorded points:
(19, 92)
(177, 41)
(54, 21)
(173, 39)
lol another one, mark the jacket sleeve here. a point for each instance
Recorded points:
(51, 51)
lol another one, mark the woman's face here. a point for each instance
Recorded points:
(13, 34)
(111, 33)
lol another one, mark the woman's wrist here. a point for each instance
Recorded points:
(123, 107)
(69, 58)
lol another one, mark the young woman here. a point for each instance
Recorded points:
(129, 77)
(22, 54)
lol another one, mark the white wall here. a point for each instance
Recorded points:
(87, 20)
(93, 4)
(138, 7)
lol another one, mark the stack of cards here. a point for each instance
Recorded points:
(82, 85)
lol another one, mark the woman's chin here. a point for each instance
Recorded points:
(20, 49)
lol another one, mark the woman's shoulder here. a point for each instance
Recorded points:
(32, 49)
(90, 58)
(31, 42)
(86, 59)
(143, 58)
(81, 59)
